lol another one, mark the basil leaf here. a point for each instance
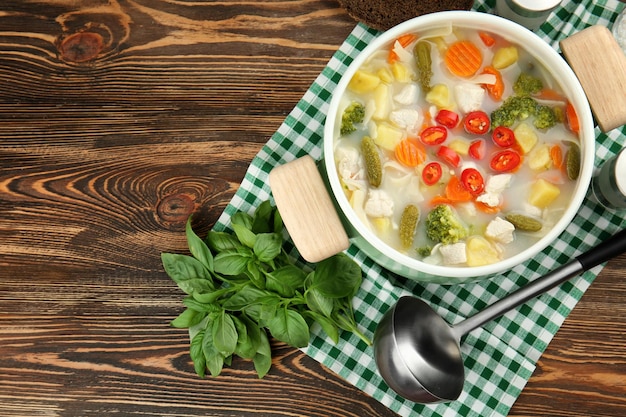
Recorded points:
(195, 303)
(245, 235)
(247, 346)
(205, 298)
(286, 280)
(255, 275)
(187, 318)
(197, 354)
(267, 246)
(230, 263)
(214, 359)
(278, 222)
(290, 327)
(263, 358)
(224, 334)
(337, 277)
(268, 307)
(197, 247)
(318, 302)
(245, 297)
(262, 219)
(222, 241)
(183, 267)
(193, 286)
(328, 325)
(242, 219)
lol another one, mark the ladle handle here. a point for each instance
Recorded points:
(606, 250)
(614, 246)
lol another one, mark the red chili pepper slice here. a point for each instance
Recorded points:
(449, 156)
(503, 137)
(473, 181)
(433, 135)
(447, 118)
(505, 161)
(477, 149)
(431, 173)
(477, 122)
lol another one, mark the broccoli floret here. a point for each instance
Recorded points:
(526, 85)
(545, 117)
(354, 113)
(512, 109)
(443, 225)
(424, 251)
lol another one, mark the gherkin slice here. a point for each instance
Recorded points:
(572, 162)
(523, 222)
(373, 164)
(408, 224)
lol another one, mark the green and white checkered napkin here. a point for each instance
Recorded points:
(501, 356)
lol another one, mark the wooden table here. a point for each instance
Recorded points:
(119, 118)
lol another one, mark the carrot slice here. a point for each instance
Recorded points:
(486, 208)
(556, 154)
(404, 40)
(463, 58)
(550, 94)
(487, 39)
(572, 118)
(410, 153)
(456, 192)
(495, 90)
(439, 199)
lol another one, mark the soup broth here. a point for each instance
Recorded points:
(457, 147)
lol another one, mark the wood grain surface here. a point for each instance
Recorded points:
(118, 118)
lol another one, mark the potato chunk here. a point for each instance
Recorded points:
(543, 193)
(363, 82)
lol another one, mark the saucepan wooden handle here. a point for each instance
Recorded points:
(600, 65)
(307, 210)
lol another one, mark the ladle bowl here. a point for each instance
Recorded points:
(418, 353)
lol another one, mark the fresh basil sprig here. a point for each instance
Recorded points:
(241, 284)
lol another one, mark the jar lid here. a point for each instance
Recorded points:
(537, 5)
(620, 172)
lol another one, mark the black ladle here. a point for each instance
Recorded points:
(418, 354)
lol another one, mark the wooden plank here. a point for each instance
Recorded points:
(307, 210)
(600, 64)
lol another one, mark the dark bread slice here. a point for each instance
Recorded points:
(384, 14)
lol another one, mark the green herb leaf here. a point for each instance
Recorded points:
(188, 318)
(245, 235)
(192, 303)
(183, 267)
(256, 277)
(337, 277)
(242, 219)
(230, 263)
(214, 359)
(262, 220)
(197, 247)
(245, 297)
(263, 358)
(222, 241)
(267, 246)
(197, 354)
(286, 280)
(318, 302)
(247, 346)
(225, 334)
(328, 325)
(290, 327)
(278, 223)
